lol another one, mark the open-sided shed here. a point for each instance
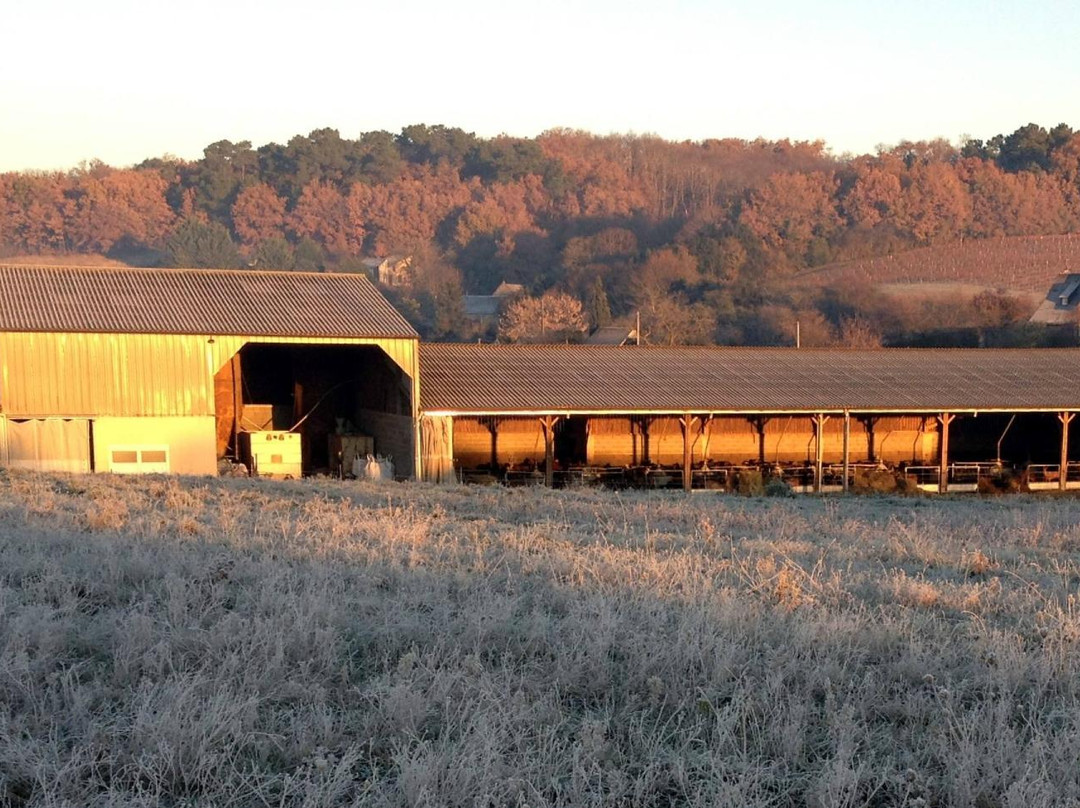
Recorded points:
(560, 406)
(127, 369)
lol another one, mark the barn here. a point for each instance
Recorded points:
(692, 417)
(172, 370)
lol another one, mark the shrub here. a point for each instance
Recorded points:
(776, 487)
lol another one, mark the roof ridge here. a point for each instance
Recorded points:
(186, 270)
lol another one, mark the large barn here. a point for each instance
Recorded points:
(137, 370)
(690, 416)
(149, 370)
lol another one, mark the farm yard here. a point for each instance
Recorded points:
(183, 641)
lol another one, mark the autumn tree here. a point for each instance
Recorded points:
(323, 215)
(792, 210)
(552, 317)
(258, 214)
(104, 208)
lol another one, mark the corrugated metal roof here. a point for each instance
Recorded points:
(581, 378)
(195, 301)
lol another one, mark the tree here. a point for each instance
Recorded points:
(202, 244)
(258, 214)
(274, 253)
(553, 317)
(669, 319)
(791, 210)
(597, 303)
(1026, 149)
(226, 167)
(323, 215)
(105, 207)
(855, 332)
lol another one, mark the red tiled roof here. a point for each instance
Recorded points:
(195, 301)
(583, 378)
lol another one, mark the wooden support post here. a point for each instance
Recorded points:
(644, 425)
(238, 402)
(1066, 419)
(758, 423)
(819, 449)
(847, 449)
(493, 427)
(869, 422)
(943, 466)
(687, 423)
(548, 423)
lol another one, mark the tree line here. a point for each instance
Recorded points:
(703, 237)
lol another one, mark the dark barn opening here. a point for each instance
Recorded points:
(341, 400)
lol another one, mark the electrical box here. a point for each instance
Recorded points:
(272, 453)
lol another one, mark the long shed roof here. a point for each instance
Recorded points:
(195, 301)
(494, 379)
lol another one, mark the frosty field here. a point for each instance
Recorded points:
(246, 643)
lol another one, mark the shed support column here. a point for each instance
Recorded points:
(943, 468)
(819, 450)
(687, 423)
(869, 423)
(847, 448)
(548, 423)
(644, 425)
(758, 422)
(1065, 418)
(238, 403)
(493, 428)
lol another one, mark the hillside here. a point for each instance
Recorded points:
(699, 238)
(245, 643)
(1016, 263)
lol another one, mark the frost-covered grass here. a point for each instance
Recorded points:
(234, 642)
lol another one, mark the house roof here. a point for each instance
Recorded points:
(612, 335)
(505, 289)
(481, 305)
(195, 301)
(1060, 304)
(492, 379)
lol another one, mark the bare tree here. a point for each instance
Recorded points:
(553, 317)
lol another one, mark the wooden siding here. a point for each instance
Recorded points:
(75, 374)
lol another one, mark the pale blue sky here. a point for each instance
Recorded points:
(121, 80)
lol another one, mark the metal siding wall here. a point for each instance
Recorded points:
(58, 374)
(104, 374)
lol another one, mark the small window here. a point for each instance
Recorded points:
(139, 459)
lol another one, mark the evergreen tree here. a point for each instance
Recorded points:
(598, 306)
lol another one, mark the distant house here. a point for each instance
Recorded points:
(394, 270)
(1061, 302)
(484, 310)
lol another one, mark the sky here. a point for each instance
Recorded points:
(122, 81)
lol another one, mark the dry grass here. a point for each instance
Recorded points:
(174, 642)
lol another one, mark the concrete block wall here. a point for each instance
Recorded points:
(393, 435)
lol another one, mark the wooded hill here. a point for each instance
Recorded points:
(710, 240)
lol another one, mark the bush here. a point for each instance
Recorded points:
(776, 487)
(1002, 481)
